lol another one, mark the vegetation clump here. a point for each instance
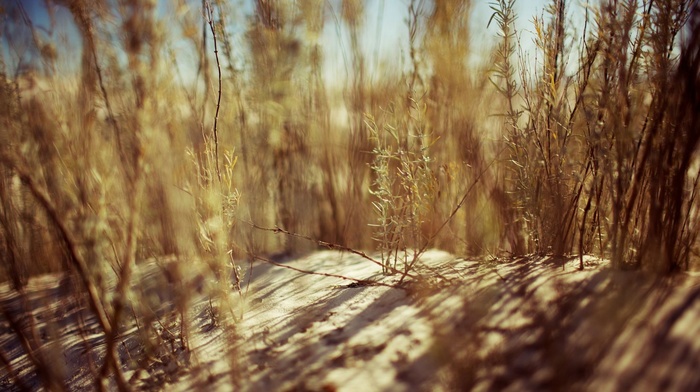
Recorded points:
(182, 134)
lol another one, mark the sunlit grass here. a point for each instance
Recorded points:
(178, 139)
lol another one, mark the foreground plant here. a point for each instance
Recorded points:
(403, 186)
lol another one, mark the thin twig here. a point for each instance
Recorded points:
(210, 20)
(461, 202)
(329, 245)
(367, 282)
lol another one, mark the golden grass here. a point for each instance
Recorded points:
(590, 149)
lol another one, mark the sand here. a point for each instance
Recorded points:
(533, 323)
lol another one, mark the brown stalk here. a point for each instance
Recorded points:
(210, 19)
(112, 360)
(71, 243)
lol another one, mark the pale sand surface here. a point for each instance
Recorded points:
(526, 324)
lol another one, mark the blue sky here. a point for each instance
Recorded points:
(391, 27)
(14, 19)
(394, 31)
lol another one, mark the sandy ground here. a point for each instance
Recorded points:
(524, 324)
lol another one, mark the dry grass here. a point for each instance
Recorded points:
(172, 129)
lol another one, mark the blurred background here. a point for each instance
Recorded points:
(139, 129)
